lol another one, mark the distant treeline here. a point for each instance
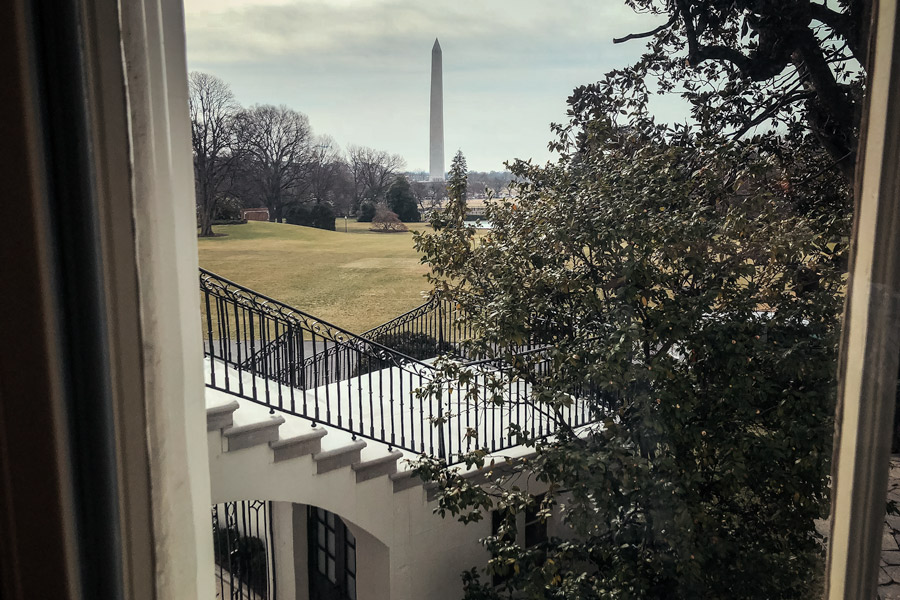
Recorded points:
(268, 156)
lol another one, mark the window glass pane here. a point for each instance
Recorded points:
(321, 536)
(331, 576)
(321, 561)
(329, 518)
(350, 539)
(320, 513)
(351, 560)
(331, 543)
(535, 533)
(351, 587)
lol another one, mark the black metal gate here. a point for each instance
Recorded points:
(243, 550)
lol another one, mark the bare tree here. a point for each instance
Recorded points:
(429, 194)
(373, 172)
(328, 174)
(212, 109)
(277, 144)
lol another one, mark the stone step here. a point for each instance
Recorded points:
(253, 434)
(298, 445)
(329, 460)
(221, 416)
(404, 480)
(383, 465)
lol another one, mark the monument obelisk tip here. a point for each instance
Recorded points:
(436, 168)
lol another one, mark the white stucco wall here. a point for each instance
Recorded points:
(404, 550)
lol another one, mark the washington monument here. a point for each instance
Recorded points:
(437, 114)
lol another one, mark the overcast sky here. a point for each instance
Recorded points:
(360, 69)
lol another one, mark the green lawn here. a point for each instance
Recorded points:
(355, 280)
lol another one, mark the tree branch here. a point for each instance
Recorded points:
(837, 22)
(785, 100)
(646, 34)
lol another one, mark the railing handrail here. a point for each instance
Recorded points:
(291, 317)
(306, 367)
(500, 359)
(410, 314)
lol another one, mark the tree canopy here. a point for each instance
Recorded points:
(401, 200)
(676, 279)
(690, 278)
(747, 66)
(276, 142)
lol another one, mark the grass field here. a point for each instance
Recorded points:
(356, 280)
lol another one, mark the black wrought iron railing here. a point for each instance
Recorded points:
(243, 552)
(434, 327)
(429, 330)
(270, 353)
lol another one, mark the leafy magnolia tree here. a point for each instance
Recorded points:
(401, 200)
(213, 110)
(743, 64)
(687, 286)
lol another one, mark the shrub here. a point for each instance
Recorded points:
(387, 221)
(401, 200)
(228, 209)
(316, 214)
(366, 212)
(247, 557)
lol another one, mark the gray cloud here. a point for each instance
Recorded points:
(360, 68)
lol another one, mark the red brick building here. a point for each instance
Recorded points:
(255, 214)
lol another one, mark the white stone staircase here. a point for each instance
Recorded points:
(255, 454)
(241, 424)
(237, 427)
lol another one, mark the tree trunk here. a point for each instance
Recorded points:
(206, 214)
(207, 208)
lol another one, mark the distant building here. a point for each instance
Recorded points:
(255, 214)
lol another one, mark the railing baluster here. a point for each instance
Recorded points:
(402, 414)
(361, 425)
(468, 410)
(290, 365)
(337, 368)
(253, 354)
(381, 399)
(412, 426)
(368, 368)
(315, 359)
(263, 337)
(209, 335)
(238, 341)
(431, 424)
(346, 378)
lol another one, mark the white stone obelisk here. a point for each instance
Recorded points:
(437, 113)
